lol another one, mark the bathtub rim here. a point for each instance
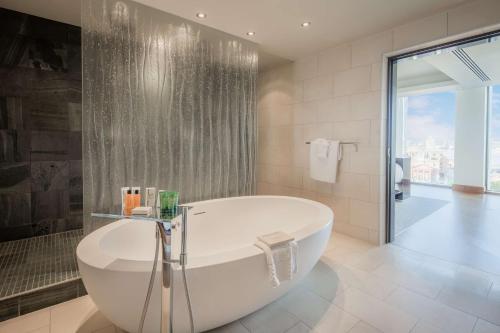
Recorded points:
(90, 253)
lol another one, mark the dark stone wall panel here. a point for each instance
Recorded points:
(15, 209)
(49, 176)
(40, 126)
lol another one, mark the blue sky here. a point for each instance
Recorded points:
(495, 114)
(431, 115)
(434, 115)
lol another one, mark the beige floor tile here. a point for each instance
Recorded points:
(362, 280)
(458, 276)
(305, 305)
(463, 232)
(375, 312)
(431, 312)
(362, 327)
(325, 280)
(484, 306)
(299, 328)
(411, 275)
(234, 327)
(483, 326)
(387, 254)
(26, 323)
(271, 318)
(335, 320)
(45, 329)
(78, 315)
(108, 329)
(422, 327)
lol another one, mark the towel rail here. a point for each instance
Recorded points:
(355, 144)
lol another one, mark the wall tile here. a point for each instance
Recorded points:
(305, 68)
(365, 161)
(473, 15)
(50, 175)
(339, 205)
(335, 109)
(364, 214)
(356, 80)
(354, 186)
(75, 117)
(280, 115)
(275, 145)
(49, 205)
(318, 88)
(366, 106)
(376, 76)
(49, 146)
(352, 230)
(15, 209)
(357, 131)
(335, 59)
(47, 114)
(280, 175)
(377, 188)
(370, 49)
(418, 32)
(305, 113)
(15, 177)
(4, 114)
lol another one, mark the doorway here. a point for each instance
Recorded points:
(443, 162)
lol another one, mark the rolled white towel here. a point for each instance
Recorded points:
(281, 261)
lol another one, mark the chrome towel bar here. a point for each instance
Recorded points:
(355, 144)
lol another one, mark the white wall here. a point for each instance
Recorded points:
(339, 93)
(470, 137)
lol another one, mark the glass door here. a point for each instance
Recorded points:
(493, 170)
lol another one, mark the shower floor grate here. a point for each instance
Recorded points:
(31, 264)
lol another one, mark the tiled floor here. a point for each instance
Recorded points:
(465, 231)
(355, 288)
(35, 263)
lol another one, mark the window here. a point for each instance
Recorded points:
(494, 140)
(427, 136)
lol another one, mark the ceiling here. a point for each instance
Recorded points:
(275, 22)
(467, 66)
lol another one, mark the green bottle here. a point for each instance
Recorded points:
(169, 201)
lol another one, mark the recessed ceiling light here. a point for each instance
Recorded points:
(251, 33)
(201, 15)
(305, 24)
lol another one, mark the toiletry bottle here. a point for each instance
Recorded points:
(150, 197)
(124, 198)
(129, 203)
(137, 198)
(169, 201)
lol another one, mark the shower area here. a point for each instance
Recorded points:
(40, 162)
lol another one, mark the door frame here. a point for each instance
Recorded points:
(390, 158)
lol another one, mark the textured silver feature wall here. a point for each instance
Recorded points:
(166, 103)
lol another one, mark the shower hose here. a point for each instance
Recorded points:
(150, 289)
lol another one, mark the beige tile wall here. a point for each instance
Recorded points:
(338, 93)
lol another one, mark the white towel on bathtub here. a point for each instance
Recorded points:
(281, 261)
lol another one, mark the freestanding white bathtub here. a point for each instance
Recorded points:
(227, 276)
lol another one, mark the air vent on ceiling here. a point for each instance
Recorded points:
(471, 64)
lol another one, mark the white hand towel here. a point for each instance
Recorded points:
(281, 261)
(324, 169)
(321, 148)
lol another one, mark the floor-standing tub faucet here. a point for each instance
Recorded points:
(163, 233)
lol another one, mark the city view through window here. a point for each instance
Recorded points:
(429, 136)
(494, 141)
